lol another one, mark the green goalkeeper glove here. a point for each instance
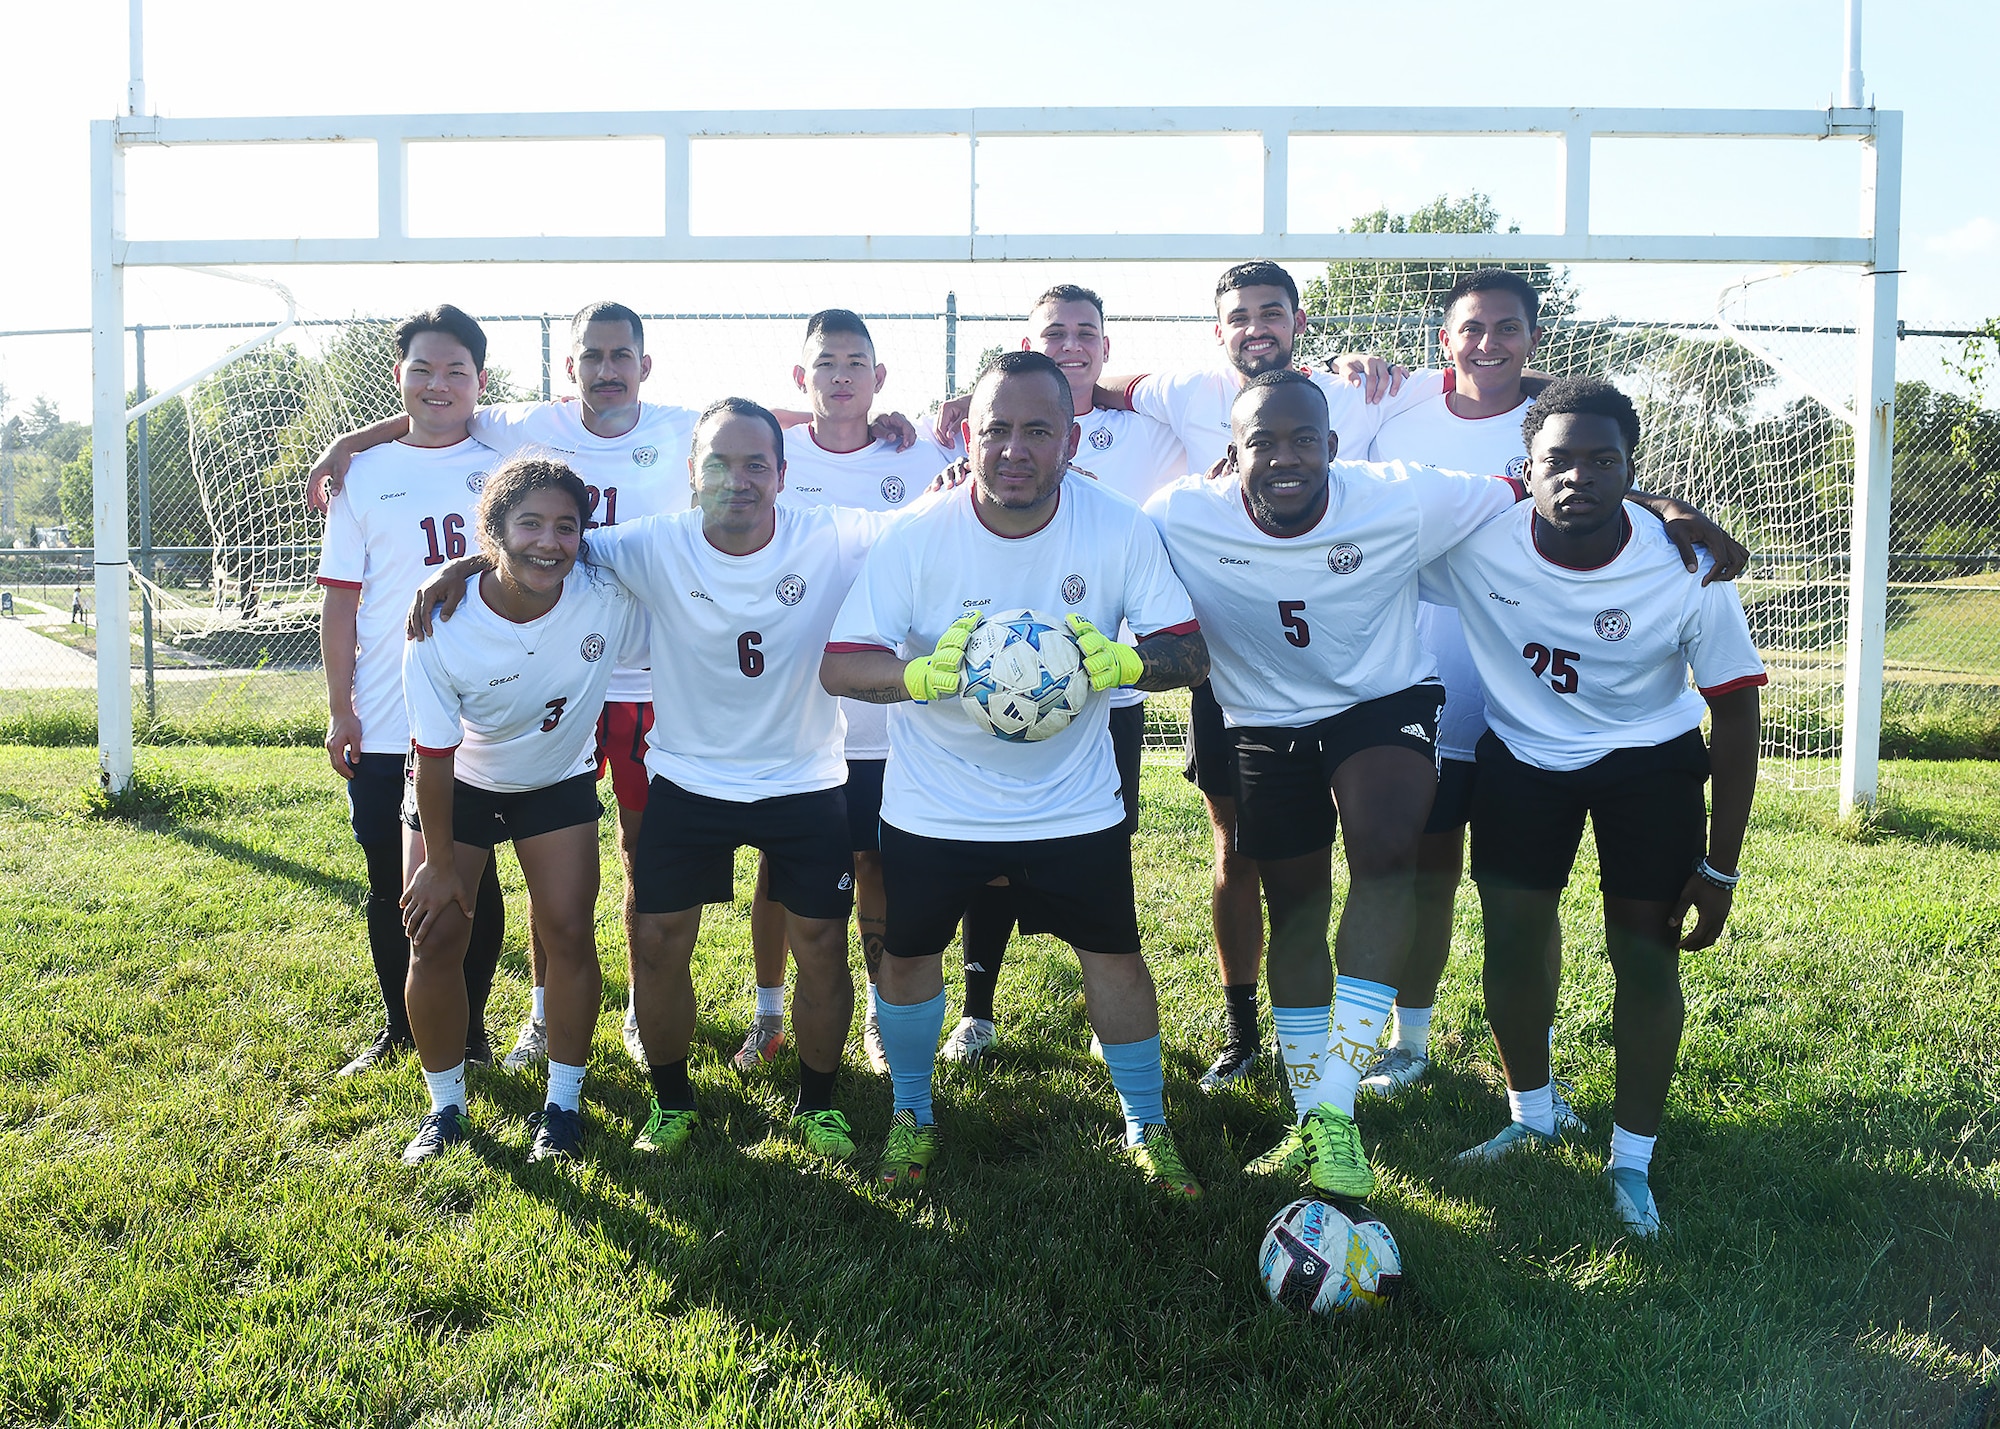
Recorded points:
(1110, 663)
(936, 674)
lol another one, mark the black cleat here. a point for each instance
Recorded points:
(557, 1133)
(386, 1047)
(478, 1046)
(1232, 1065)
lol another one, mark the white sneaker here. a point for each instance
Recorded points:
(969, 1040)
(1513, 1139)
(633, 1046)
(1393, 1069)
(871, 1043)
(530, 1047)
(1632, 1201)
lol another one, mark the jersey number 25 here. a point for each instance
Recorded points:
(1556, 664)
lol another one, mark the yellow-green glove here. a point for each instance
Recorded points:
(1109, 663)
(936, 674)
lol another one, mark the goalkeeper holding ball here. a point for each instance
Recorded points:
(961, 808)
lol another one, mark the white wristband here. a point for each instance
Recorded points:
(1710, 875)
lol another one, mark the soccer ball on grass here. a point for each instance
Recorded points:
(1024, 678)
(1330, 1260)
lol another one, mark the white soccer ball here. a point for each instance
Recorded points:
(1328, 1260)
(1024, 678)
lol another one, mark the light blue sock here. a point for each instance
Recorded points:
(1140, 1082)
(910, 1041)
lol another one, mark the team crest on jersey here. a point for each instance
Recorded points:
(1072, 589)
(476, 482)
(892, 489)
(592, 648)
(1613, 624)
(1518, 467)
(645, 456)
(792, 589)
(1102, 438)
(1344, 559)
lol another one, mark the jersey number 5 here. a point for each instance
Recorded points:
(1291, 616)
(749, 659)
(555, 709)
(1556, 664)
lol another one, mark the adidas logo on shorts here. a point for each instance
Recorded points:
(1413, 728)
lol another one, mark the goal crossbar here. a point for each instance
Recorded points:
(1874, 253)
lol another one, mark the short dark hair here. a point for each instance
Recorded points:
(1496, 280)
(829, 321)
(1279, 377)
(1590, 395)
(744, 407)
(1072, 293)
(1258, 273)
(1019, 361)
(454, 323)
(605, 312)
(508, 484)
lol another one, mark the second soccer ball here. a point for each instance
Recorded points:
(1024, 677)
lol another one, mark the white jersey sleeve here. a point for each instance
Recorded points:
(507, 427)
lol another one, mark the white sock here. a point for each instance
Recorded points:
(771, 1001)
(1411, 1030)
(1630, 1149)
(1535, 1110)
(1302, 1035)
(565, 1085)
(541, 1012)
(1360, 1012)
(447, 1088)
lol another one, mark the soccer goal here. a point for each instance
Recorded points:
(1783, 429)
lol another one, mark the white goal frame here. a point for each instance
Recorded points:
(1875, 255)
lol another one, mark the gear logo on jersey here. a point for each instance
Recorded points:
(1072, 589)
(893, 489)
(1613, 624)
(645, 456)
(792, 590)
(1102, 438)
(592, 648)
(1517, 468)
(1344, 559)
(476, 482)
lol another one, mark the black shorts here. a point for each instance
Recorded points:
(686, 854)
(1128, 741)
(1211, 756)
(1645, 807)
(1284, 776)
(1078, 889)
(864, 804)
(1452, 809)
(483, 817)
(375, 799)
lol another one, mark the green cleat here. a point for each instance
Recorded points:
(1160, 1159)
(667, 1131)
(907, 1157)
(1335, 1162)
(825, 1133)
(1287, 1158)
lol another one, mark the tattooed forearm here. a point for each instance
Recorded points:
(1173, 662)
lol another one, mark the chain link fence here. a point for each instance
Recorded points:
(224, 633)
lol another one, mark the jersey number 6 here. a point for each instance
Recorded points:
(749, 658)
(1297, 632)
(1555, 664)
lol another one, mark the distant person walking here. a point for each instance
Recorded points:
(76, 615)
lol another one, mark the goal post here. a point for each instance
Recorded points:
(1268, 232)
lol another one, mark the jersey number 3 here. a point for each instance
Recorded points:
(1556, 664)
(555, 709)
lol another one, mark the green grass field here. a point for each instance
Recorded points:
(202, 1226)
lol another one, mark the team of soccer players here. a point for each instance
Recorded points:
(1350, 629)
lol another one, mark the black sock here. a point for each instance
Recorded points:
(989, 922)
(671, 1088)
(388, 944)
(1239, 1005)
(482, 953)
(815, 1089)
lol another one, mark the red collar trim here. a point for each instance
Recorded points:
(481, 592)
(972, 495)
(1451, 386)
(836, 451)
(1624, 540)
(1243, 495)
(733, 556)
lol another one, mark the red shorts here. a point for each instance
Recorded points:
(621, 746)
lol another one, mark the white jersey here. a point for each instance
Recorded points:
(518, 703)
(1134, 456)
(400, 515)
(1196, 403)
(1433, 434)
(1577, 663)
(643, 473)
(875, 478)
(1303, 627)
(738, 710)
(947, 778)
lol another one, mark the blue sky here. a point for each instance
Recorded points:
(63, 65)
